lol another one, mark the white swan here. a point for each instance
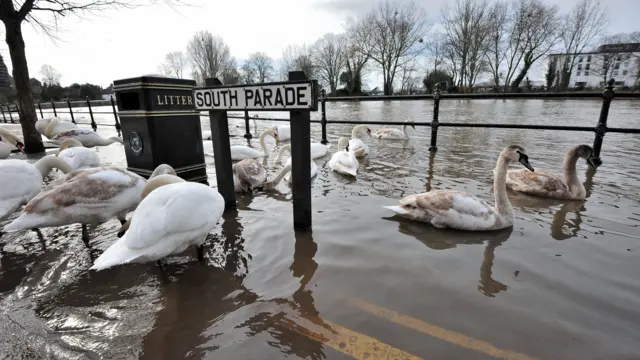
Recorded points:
(287, 147)
(357, 146)
(543, 184)
(77, 156)
(9, 141)
(88, 138)
(21, 180)
(344, 161)
(239, 152)
(395, 134)
(91, 196)
(284, 131)
(50, 127)
(464, 211)
(248, 175)
(172, 215)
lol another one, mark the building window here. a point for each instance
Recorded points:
(587, 67)
(625, 72)
(588, 58)
(578, 73)
(586, 73)
(615, 73)
(580, 59)
(619, 83)
(626, 63)
(579, 67)
(580, 83)
(617, 66)
(619, 58)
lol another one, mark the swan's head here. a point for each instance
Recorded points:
(42, 124)
(69, 143)
(343, 143)
(161, 170)
(586, 152)
(410, 123)
(158, 181)
(271, 132)
(11, 138)
(516, 153)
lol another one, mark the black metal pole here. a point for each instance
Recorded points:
(40, 108)
(247, 134)
(3, 117)
(607, 95)
(73, 120)
(53, 105)
(10, 114)
(435, 122)
(323, 120)
(115, 114)
(94, 126)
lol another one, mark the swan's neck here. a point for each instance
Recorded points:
(500, 189)
(110, 140)
(47, 163)
(570, 176)
(404, 131)
(355, 132)
(270, 185)
(48, 131)
(262, 144)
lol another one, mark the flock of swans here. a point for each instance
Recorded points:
(170, 214)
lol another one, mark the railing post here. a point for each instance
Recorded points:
(94, 126)
(73, 120)
(247, 134)
(40, 108)
(115, 113)
(435, 122)
(323, 120)
(607, 95)
(10, 114)
(4, 118)
(53, 105)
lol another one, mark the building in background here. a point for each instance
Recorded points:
(593, 69)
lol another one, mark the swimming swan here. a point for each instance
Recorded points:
(239, 152)
(9, 141)
(248, 175)
(88, 138)
(287, 147)
(271, 184)
(461, 210)
(395, 134)
(543, 184)
(89, 197)
(344, 161)
(77, 156)
(50, 127)
(172, 215)
(357, 146)
(20, 180)
(284, 131)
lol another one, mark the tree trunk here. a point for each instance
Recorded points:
(15, 41)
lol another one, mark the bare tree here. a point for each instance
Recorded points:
(50, 76)
(581, 27)
(436, 50)
(174, 64)
(355, 62)
(392, 35)
(500, 39)
(466, 31)
(540, 28)
(297, 57)
(258, 68)
(13, 14)
(408, 77)
(329, 54)
(209, 56)
(230, 74)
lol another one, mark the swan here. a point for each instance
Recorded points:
(172, 215)
(77, 156)
(248, 174)
(20, 180)
(163, 169)
(88, 197)
(461, 210)
(543, 184)
(318, 150)
(344, 161)
(287, 178)
(395, 134)
(357, 146)
(271, 184)
(284, 131)
(88, 138)
(239, 152)
(8, 141)
(50, 127)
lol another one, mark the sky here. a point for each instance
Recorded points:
(117, 44)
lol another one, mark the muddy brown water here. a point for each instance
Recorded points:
(563, 283)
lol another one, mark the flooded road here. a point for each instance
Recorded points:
(561, 284)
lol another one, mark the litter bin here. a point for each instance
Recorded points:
(160, 125)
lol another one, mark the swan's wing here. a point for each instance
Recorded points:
(19, 182)
(525, 180)
(78, 157)
(174, 212)
(74, 133)
(442, 201)
(251, 171)
(92, 188)
(389, 133)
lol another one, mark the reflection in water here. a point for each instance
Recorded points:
(443, 239)
(432, 156)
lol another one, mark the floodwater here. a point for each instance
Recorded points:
(561, 284)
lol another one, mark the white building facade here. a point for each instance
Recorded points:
(592, 69)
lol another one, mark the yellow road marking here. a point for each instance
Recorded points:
(438, 332)
(354, 344)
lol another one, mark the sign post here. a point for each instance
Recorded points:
(298, 96)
